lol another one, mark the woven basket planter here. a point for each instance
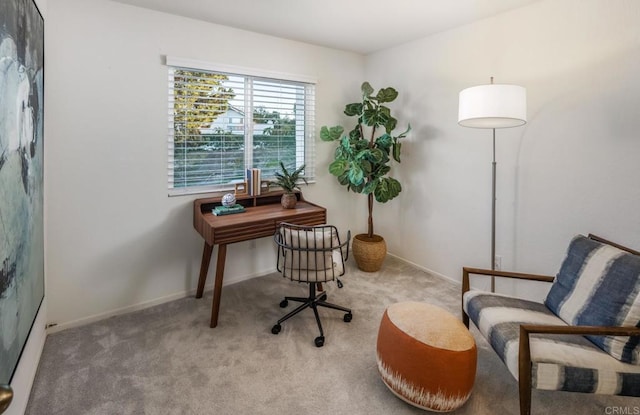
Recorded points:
(288, 200)
(369, 253)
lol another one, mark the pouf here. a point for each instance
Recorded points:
(426, 356)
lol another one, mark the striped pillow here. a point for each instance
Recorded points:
(598, 285)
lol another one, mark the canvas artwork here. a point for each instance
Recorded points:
(21, 177)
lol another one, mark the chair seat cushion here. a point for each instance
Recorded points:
(311, 255)
(559, 362)
(599, 285)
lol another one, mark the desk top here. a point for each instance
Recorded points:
(261, 218)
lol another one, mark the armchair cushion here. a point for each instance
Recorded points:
(559, 362)
(599, 285)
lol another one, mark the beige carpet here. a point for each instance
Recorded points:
(166, 359)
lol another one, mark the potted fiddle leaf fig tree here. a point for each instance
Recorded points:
(362, 163)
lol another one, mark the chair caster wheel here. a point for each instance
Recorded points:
(319, 341)
(323, 298)
(284, 303)
(347, 317)
(276, 329)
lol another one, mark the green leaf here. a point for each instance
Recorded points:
(390, 124)
(382, 170)
(370, 187)
(386, 95)
(343, 179)
(384, 142)
(387, 189)
(357, 187)
(396, 151)
(338, 167)
(366, 167)
(370, 117)
(331, 134)
(367, 90)
(353, 109)
(356, 176)
(361, 144)
(345, 145)
(355, 133)
(376, 155)
(362, 154)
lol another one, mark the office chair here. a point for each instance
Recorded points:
(312, 255)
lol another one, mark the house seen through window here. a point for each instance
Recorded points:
(221, 124)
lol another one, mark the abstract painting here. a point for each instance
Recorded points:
(21, 177)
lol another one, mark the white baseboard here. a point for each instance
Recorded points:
(146, 304)
(430, 271)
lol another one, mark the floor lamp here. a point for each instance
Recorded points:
(493, 106)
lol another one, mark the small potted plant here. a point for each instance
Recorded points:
(288, 181)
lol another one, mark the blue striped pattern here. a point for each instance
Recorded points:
(559, 362)
(599, 285)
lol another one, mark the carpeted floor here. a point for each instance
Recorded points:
(166, 359)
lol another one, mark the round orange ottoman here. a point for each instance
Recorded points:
(426, 356)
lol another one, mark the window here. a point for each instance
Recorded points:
(223, 120)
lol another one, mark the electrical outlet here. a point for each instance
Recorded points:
(497, 262)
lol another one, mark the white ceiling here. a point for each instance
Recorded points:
(362, 26)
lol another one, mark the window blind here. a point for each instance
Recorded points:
(222, 123)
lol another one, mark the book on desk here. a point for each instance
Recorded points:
(227, 210)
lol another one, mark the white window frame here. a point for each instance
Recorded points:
(307, 140)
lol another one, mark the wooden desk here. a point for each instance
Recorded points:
(262, 216)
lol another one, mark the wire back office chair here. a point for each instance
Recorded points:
(312, 255)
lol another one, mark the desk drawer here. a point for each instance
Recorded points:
(318, 218)
(244, 232)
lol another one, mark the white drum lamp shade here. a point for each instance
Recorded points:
(493, 106)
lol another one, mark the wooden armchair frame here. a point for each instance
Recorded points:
(524, 351)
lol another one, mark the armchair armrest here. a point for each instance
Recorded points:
(524, 354)
(467, 271)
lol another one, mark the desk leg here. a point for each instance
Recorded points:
(204, 268)
(217, 289)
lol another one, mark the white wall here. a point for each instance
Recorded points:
(573, 168)
(115, 240)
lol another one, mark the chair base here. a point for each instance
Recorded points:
(313, 301)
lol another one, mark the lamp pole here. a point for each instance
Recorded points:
(493, 212)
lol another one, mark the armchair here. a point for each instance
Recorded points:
(583, 338)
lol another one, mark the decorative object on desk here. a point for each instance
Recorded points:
(228, 200)
(288, 181)
(227, 210)
(361, 163)
(493, 106)
(241, 189)
(265, 186)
